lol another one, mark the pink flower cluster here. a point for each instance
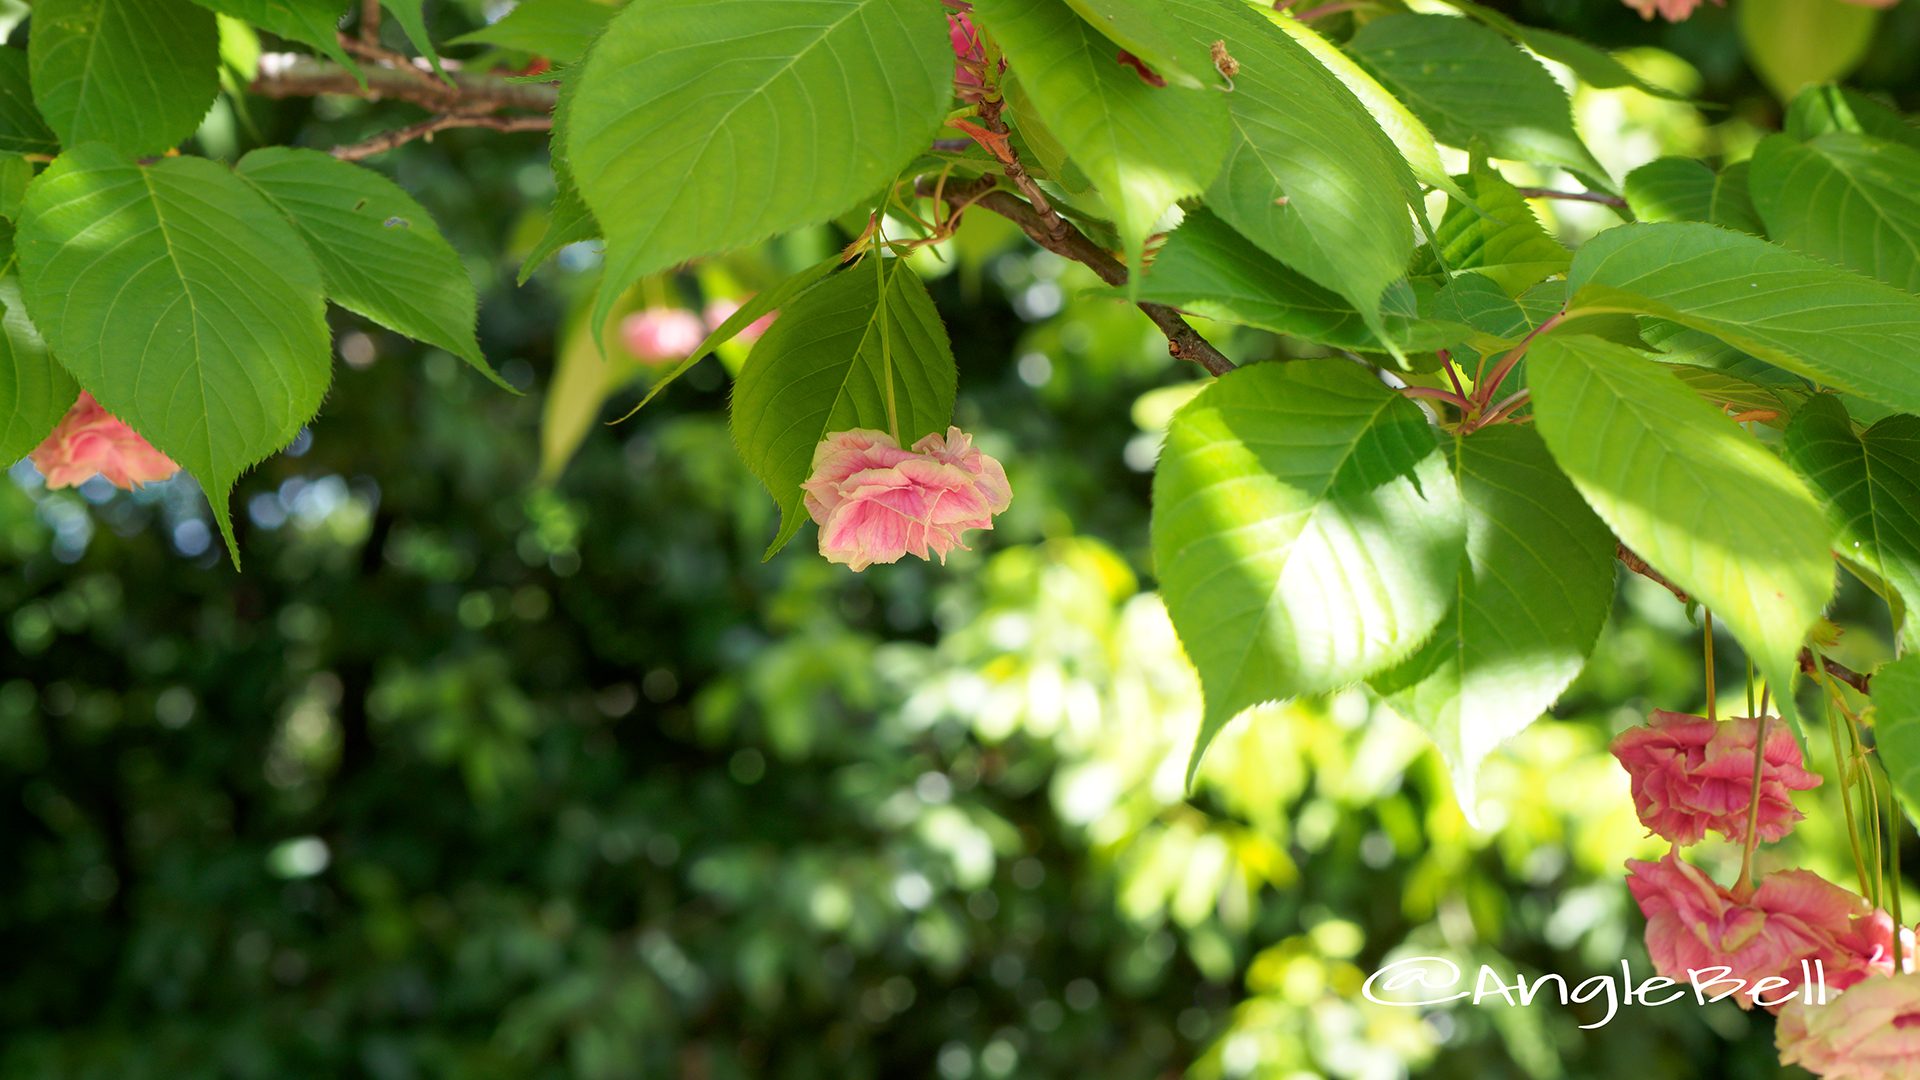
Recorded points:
(660, 335)
(1694, 924)
(90, 440)
(1690, 776)
(875, 502)
(969, 57)
(1678, 10)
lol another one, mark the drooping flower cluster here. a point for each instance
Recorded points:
(1691, 775)
(90, 440)
(1871, 1032)
(1678, 10)
(875, 502)
(1694, 924)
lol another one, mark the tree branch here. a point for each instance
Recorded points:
(1600, 197)
(1183, 341)
(290, 75)
(1844, 674)
(1839, 671)
(425, 129)
(1639, 566)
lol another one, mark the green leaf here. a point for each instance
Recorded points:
(1819, 110)
(1046, 147)
(138, 75)
(1497, 235)
(35, 392)
(1136, 26)
(1468, 83)
(744, 316)
(1896, 728)
(705, 127)
(310, 22)
(568, 222)
(1686, 488)
(379, 251)
(1309, 175)
(16, 173)
(1142, 146)
(1793, 43)
(1529, 601)
(183, 301)
(1410, 137)
(1735, 394)
(1306, 532)
(1592, 66)
(1210, 270)
(559, 30)
(1798, 313)
(1687, 189)
(1870, 485)
(414, 24)
(1845, 198)
(820, 369)
(22, 130)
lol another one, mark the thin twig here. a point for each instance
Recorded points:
(425, 129)
(1638, 565)
(1183, 341)
(1001, 147)
(1600, 197)
(370, 21)
(1855, 679)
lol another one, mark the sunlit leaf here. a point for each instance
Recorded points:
(1807, 316)
(1306, 533)
(1138, 26)
(702, 127)
(1686, 488)
(1309, 176)
(1142, 146)
(1844, 198)
(1469, 84)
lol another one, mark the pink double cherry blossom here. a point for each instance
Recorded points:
(90, 440)
(1678, 10)
(1691, 775)
(875, 502)
(1693, 924)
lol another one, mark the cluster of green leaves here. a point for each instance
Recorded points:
(186, 296)
(1314, 527)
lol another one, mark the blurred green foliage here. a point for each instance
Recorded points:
(469, 776)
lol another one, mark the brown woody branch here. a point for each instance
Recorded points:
(425, 129)
(1839, 671)
(1183, 341)
(290, 75)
